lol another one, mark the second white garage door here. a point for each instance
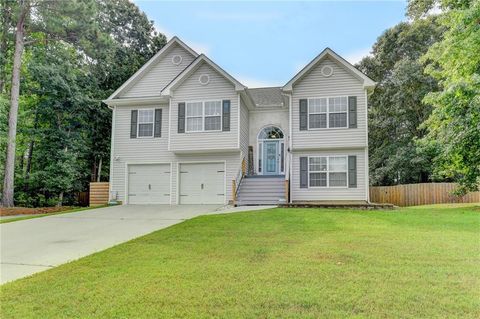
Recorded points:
(202, 183)
(149, 184)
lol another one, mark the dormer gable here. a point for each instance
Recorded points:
(329, 54)
(158, 72)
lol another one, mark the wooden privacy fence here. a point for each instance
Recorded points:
(420, 194)
(99, 193)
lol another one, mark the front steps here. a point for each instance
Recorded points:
(261, 190)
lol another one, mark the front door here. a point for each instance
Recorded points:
(270, 158)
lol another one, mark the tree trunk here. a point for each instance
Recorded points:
(8, 181)
(60, 199)
(99, 170)
(31, 145)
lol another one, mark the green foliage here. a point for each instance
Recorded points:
(395, 106)
(454, 126)
(77, 53)
(417, 9)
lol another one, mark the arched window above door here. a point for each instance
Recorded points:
(270, 133)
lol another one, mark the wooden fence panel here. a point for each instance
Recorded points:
(99, 193)
(420, 194)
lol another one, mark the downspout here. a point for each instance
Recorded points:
(367, 181)
(112, 142)
(290, 142)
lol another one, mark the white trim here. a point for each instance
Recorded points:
(203, 162)
(200, 79)
(290, 142)
(327, 171)
(367, 82)
(277, 110)
(239, 118)
(203, 130)
(327, 113)
(150, 63)
(127, 163)
(326, 74)
(177, 56)
(112, 152)
(367, 171)
(137, 101)
(192, 67)
(169, 122)
(260, 170)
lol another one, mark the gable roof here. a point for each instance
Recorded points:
(192, 67)
(147, 66)
(267, 96)
(367, 82)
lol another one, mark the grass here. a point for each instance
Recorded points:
(4, 220)
(278, 263)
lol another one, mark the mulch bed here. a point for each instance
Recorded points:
(31, 211)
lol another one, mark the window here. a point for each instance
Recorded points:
(204, 116)
(334, 109)
(145, 123)
(260, 155)
(337, 111)
(213, 116)
(317, 113)
(326, 171)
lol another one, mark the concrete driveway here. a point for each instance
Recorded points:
(34, 245)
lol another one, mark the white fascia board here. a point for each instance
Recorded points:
(137, 101)
(367, 82)
(167, 91)
(150, 63)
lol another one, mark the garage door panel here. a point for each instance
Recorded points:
(149, 184)
(202, 183)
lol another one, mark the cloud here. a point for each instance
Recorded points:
(357, 55)
(240, 16)
(196, 46)
(255, 83)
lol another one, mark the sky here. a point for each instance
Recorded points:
(267, 43)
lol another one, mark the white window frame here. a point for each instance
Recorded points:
(328, 171)
(203, 116)
(327, 114)
(138, 123)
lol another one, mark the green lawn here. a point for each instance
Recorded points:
(421, 262)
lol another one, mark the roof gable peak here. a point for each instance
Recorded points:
(327, 52)
(150, 63)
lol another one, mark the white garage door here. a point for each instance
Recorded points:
(202, 183)
(149, 184)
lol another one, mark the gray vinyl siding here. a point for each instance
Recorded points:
(244, 129)
(155, 150)
(191, 90)
(155, 79)
(341, 83)
(326, 194)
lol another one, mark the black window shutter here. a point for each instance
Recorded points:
(226, 115)
(133, 124)
(352, 112)
(352, 171)
(303, 172)
(181, 117)
(158, 123)
(303, 115)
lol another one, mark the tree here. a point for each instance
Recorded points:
(63, 136)
(454, 125)
(396, 110)
(72, 23)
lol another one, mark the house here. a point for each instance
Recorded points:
(184, 131)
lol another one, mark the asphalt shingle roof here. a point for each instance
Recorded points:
(270, 96)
